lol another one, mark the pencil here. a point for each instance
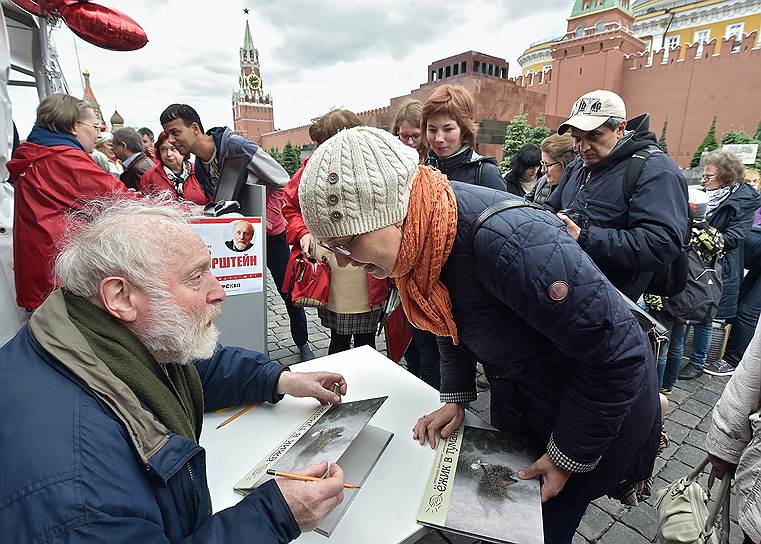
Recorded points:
(291, 476)
(237, 414)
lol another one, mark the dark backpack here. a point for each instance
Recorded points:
(699, 301)
(671, 279)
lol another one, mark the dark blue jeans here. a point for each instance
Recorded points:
(701, 341)
(423, 357)
(670, 357)
(749, 307)
(277, 261)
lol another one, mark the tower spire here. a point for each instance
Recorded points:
(248, 43)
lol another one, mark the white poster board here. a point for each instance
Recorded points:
(745, 152)
(236, 245)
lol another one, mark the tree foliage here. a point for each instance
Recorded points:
(539, 132)
(291, 158)
(276, 154)
(757, 135)
(740, 137)
(709, 143)
(662, 140)
(516, 136)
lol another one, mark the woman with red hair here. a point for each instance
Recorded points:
(174, 173)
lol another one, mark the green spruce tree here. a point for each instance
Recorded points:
(662, 140)
(709, 143)
(291, 158)
(539, 132)
(276, 154)
(516, 136)
(757, 135)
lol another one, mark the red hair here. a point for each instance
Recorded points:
(456, 102)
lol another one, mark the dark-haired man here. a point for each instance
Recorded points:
(128, 148)
(629, 236)
(148, 145)
(185, 130)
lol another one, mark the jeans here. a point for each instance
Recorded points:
(423, 357)
(749, 306)
(277, 261)
(342, 342)
(670, 357)
(701, 341)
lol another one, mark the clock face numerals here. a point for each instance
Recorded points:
(254, 82)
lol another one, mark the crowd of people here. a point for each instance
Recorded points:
(526, 273)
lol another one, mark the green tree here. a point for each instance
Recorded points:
(757, 135)
(516, 136)
(276, 154)
(740, 137)
(709, 143)
(291, 158)
(662, 140)
(539, 132)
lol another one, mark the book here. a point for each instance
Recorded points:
(337, 433)
(474, 489)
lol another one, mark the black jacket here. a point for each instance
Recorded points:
(468, 166)
(733, 218)
(576, 367)
(629, 242)
(132, 174)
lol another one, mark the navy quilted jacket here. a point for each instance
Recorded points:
(575, 374)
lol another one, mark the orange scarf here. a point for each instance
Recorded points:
(429, 233)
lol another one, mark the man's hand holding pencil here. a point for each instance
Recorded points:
(311, 501)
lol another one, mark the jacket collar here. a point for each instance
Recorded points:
(47, 138)
(71, 351)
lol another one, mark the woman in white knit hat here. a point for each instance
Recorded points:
(105, 144)
(569, 366)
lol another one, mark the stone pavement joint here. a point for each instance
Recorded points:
(606, 521)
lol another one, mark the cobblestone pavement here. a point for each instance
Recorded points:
(606, 521)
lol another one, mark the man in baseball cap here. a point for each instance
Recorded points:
(624, 200)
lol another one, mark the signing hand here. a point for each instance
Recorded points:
(721, 467)
(573, 229)
(307, 244)
(447, 418)
(310, 502)
(553, 477)
(319, 385)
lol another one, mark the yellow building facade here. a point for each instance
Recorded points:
(666, 24)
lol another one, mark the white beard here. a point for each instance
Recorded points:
(174, 335)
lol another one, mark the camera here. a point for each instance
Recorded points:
(574, 216)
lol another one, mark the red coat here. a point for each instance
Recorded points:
(48, 181)
(296, 228)
(155, 181)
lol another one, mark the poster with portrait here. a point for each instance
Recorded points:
(236, 246)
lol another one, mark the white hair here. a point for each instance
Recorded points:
(117, 236)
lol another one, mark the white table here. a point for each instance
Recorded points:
(385, 509)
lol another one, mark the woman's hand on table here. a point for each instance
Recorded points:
(447, 419)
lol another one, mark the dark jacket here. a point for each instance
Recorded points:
(513, 185)
(574, 371)
(541, 191)
(468, 166)
(733, 218)
(628, 242)
(262, 170)
(87, 462)
(132, 174)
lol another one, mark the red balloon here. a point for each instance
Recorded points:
(43, 7)
(102, 26)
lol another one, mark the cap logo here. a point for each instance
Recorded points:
(587, 106)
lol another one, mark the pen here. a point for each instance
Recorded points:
(291, 476)
(237, 414)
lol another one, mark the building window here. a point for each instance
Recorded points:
(448, 71)
(491, 69)
(701, 37)
(599, 27)
(541, 77)
(671, 43)
(441, 73)
(433, 75)
(463, 65)
(455, 69)
(735, 30)
(579, 31)
(476, 67)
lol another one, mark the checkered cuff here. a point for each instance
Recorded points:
(565, 462)
(467, 396)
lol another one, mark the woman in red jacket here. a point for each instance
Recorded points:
(52, 172)
(174, 173)
(356, 299)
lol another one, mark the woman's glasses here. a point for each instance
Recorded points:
(341, 249)
(548, 165)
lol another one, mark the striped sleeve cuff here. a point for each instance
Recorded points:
(467, 396)
(566, 463)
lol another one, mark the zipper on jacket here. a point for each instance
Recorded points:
(196, 499)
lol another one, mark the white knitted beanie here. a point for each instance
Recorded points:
(356, 182)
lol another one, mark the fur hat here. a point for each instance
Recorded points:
(356, 182)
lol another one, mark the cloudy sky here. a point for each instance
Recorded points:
(314, 55)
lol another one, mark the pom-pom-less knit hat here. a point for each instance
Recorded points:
(356, 182)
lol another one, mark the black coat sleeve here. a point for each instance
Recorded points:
(457, 367)
(491, 177)
(518, 262)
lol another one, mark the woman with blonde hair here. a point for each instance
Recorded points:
(449, 121)
(407, 126)
(557, 153)
(356, 299)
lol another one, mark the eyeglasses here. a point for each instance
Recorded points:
(414, 137)
(708, 177)
(548, 165)
(341, 249)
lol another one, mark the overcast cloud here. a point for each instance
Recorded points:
(314, 55)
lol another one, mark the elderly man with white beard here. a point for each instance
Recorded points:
(103, 394)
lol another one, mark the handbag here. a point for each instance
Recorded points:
(656, 333)
(307, 280)
(684, 516)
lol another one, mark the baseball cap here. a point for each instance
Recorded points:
(593, 109)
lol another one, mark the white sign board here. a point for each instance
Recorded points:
(236, 245)
(745, 152)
